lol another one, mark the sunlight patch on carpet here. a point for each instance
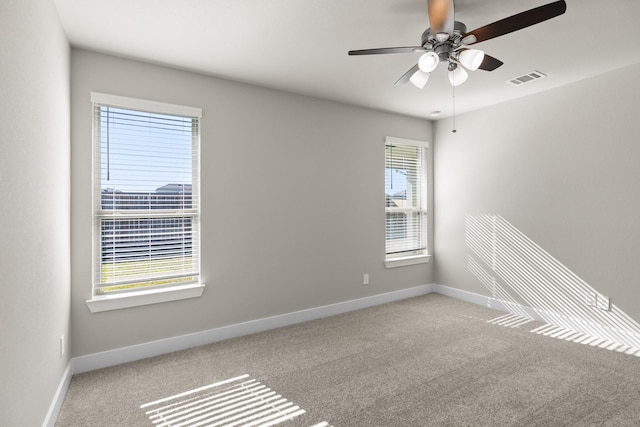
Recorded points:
(511, 320)
(559, 332)
(239, 401)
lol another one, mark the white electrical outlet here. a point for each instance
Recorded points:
(365, 279)
(61, 345)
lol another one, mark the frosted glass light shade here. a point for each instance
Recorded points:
(471, 58)
(458, 76)
(419, 79)
(428, 62)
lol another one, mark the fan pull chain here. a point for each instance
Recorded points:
(454, 109)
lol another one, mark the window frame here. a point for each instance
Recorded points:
(152, 294)
(422, 256)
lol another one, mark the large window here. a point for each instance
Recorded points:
(146, 195)
(406, 198)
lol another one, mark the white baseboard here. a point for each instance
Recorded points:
(118, 356)
(464, 295)
(486, 301)
(58, 398)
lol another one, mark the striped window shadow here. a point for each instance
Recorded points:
(239, 401)
(566, 334)
(528, 281)
(510, 320)
(552, 331)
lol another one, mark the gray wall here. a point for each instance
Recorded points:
(34, 184)
(292, 202)
(562, 168)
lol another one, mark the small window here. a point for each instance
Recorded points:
(406, 198)
(146, 195)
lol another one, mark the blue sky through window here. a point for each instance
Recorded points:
(395, 181)
(143, 151)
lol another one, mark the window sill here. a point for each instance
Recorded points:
(146, 297)
(404, 261)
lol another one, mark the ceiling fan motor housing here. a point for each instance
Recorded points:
(444, 49)
(428, 38)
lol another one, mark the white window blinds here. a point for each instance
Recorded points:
(406, 197)
(146, 194)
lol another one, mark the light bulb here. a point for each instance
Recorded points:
(442, 37)
(419, 79)
(469, 39)
(471, 58)
(428, 62)
(458, 76)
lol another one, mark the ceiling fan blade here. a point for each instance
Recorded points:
(489, 63)
(441, 16)
(382, 50)
(406, 76)
(517, 22)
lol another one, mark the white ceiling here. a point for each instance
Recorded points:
(301, 45)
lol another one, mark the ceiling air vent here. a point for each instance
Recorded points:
(535, 75)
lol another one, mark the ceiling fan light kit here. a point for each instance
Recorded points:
(428, 62)
(471, 59)
(446, 40)
(419, 79)
(457, 76)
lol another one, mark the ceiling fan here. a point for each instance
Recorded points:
(446, 40)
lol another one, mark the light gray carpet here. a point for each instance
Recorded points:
(425, 361)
